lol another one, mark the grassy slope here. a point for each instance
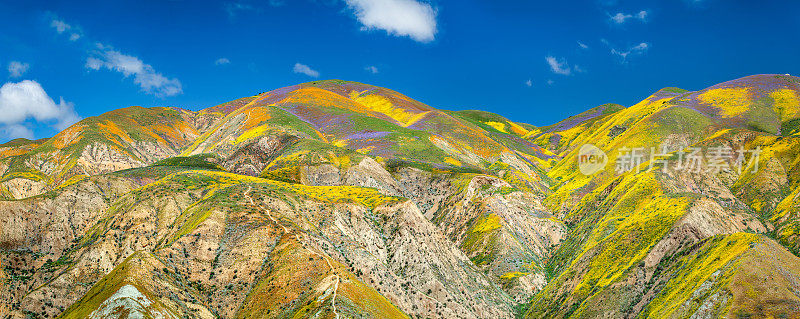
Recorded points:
(179, 175)
(615, 220)
(377, 122)
(143, 271)
(120, 131)
(611, 233)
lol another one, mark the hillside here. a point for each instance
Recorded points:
(334, 199)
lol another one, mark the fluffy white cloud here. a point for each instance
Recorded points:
(144, 75)
(372, 69)
(17, 131)
(410, 18)
(62, 27)
(621, 18)
(558, 66)
(305, 69)
(222, 61)
(106, 57)
(529, 83)
(17, 69)
(622, 54)
(582, 45)
(27, 100)
(636, 49)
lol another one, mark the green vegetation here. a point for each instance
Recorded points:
(497, 207)
(126, 273)
(674, 90)
(707, 265)
(201, 161)
(481, 239)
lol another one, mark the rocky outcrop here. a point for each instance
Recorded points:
(20, 188)
(336, 199)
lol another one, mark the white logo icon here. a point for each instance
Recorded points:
(591, 159)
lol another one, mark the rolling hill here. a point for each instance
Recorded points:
(334, 199)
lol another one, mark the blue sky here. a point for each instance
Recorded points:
(531, 61)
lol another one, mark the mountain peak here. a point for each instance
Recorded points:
(342, 199)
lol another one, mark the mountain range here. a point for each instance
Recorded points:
(337, 199)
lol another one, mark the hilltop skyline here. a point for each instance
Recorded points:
(399, 159)
(533, 63)
(340, 199)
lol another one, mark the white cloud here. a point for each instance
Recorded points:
(94, 63)
(410, 18)
(623, 54)
(17, 131)
(104, 56)
(582, 45)
(62, 27)
(550, 82)
(578, 69)
(17, 69)
(305, 69)
(621, 18)
(371, 69)
(529, 83)
(558, 66)
(634, 50)
(222, 61)
(144, 75)
(27, 100)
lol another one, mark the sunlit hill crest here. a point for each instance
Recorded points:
(342, 199)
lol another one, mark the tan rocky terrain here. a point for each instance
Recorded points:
(335, 199)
